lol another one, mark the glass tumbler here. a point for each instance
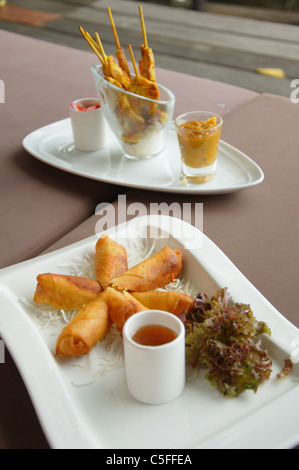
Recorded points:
(139, 123)
(198, 135)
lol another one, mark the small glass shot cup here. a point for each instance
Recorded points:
(198, 135)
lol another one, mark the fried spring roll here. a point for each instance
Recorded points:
(85, 329)
(110, 260)
(66, 292)
(121, 306)
(152, 273)
(173, 302)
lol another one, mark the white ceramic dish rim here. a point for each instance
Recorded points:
(63, 425)
(250, 169)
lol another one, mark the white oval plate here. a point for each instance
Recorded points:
(53, 144)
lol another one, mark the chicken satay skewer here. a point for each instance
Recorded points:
(91, 43)
(147, 62)
(144, 35)
(141, 85)
(112, 71)
(120, 53)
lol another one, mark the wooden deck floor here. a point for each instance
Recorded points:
(211, 45)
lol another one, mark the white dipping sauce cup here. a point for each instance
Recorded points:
(88, 126)
(155, 374)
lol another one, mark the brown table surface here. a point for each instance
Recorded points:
(40, 80)
(43, 208)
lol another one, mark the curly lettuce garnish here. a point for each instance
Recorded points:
(287, 369)
(220, 337)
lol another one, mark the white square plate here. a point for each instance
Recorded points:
(80, 407)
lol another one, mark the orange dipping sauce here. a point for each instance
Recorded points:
(198, 142)
(154, 335)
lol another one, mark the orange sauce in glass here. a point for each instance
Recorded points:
(154, 335)
(198, 142)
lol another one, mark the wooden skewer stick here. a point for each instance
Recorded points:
(133, 61)
(95, 50)
(92, 40)
(114, 29)
(143, 26)
(101, 49)
(120, 54)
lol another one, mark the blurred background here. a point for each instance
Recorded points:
(275, 4)
(253, 44)
(279, 11)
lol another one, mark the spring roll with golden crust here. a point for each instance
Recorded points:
(110, 260)
(85, 329)
(65, 292)
(121, 306)
(152, 273)
(173, 302)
